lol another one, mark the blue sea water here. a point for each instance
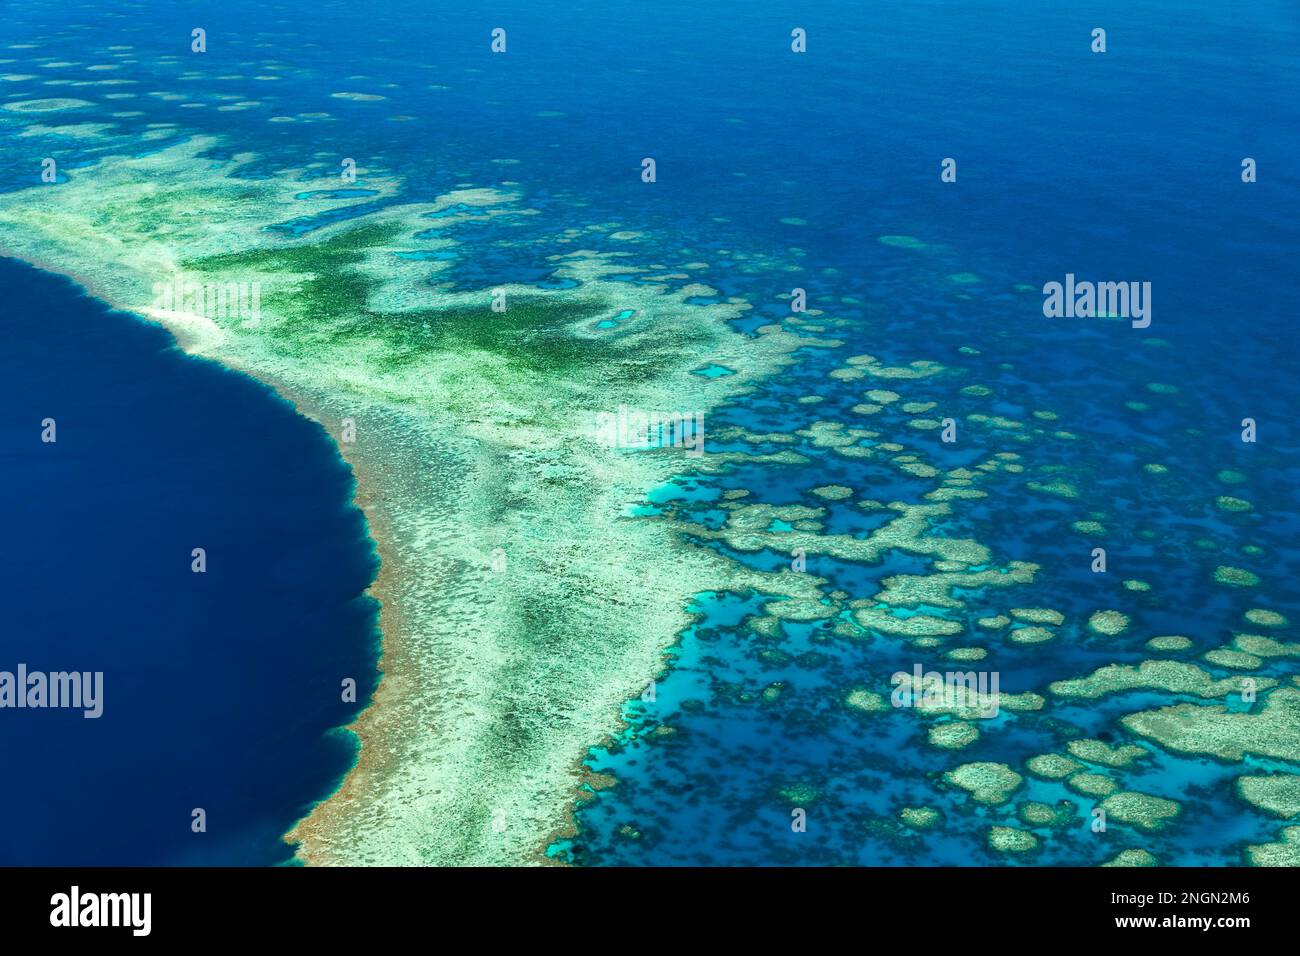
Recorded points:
(1116, 166)
(220, 689)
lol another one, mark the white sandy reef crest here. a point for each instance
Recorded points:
(473, 441)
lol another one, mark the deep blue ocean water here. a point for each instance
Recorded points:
(1116, 166)
(221, 689)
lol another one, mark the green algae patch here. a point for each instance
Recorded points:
(959, 694)
(902, 242)
(922, 368)
(1177, 677)
(1235, 577)
(1278, 793)
(799, 793)
(1052, 766)
(953, 735)
(1231, 504)
(1140, 810)
(1010, 424)
(833, 435)
(948, 493)
(1011, 840)
(1135, 585)
(1020, 703)
(1058, 488)
(50, 105)
(1035, 814)
(986, 782)
(1264, 618)
(80, 131)
(1098, 751)
(833, 492)
(1108, 623)
(1256, 645)
(799, 609)
(914, 625)
(1030, 635)
(866, 701)
(1133, 857)
(1092, 784)
(1271, 731)
(1286, 852)
(1169, 642)
(920, 818)
(1233, 659)
(911, 590)
(917, 469)
(1093, 528)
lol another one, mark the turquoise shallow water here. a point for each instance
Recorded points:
(1117, 166)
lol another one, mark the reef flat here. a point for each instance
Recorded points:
(521, 604)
